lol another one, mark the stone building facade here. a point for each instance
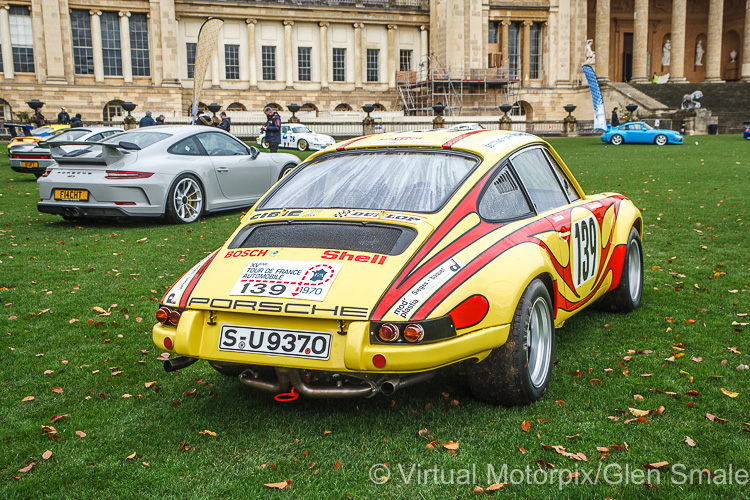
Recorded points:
(335, 55)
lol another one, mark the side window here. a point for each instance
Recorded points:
(567, 185)
(94, 138)
(220, 145)
(185, 147)
(504, 199)
(110, 132)
(284, 129)
(539, 180)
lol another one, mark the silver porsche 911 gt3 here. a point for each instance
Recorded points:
(180, 171)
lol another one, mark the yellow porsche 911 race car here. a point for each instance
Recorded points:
(379, 260)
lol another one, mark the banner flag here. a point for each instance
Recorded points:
(600, 120)
(207, 36)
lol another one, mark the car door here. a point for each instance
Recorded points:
(241, 178)
(639, 134)
(287, 137)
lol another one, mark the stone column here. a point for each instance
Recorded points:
(745, 70)
(127, 63)
(53, 44)
(358, 55)
(526, 53)
(5, 42)
(154, 34)
(288, 57)
(391, 55)
(601, 42)
(252, 58)
(324, 54)
(96, 45)
(215, 67)
(677, 56)
(713, 49)
(170, 56)
(424, 46)
(504, 39)
(640, 41)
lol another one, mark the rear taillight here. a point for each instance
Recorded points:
(123, 174)
(162, 315)
(31, 156)
(174, 317)
(413, 333)
(388, 332)
(167, 316)
(47, 172)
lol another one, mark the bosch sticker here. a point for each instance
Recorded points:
(287, 279)
(424, 289)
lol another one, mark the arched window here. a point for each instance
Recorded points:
(201, 108)
(5, 112)
(343, 107)
(518, 109)
(273, 106)
(310, 108)
(378, 107)
(236, 106)
(112, 109)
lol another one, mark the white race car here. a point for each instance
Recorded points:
(295, 135)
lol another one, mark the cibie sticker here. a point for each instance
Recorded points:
(289, 279)
(424, 289)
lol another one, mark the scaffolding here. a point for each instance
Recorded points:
(465, 91)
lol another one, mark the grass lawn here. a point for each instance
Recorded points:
(128, 429)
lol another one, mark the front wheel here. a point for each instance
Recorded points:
(660, 140)
(616, 140)
(302, 145)
(518, 372)
(627, 296)
(185, 200)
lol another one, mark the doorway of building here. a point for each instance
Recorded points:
(627, 57)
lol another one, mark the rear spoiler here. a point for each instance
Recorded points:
(13, 129)
(110, 152)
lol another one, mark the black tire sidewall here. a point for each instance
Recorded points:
(171, 209)
(631, 304)
(519, 328)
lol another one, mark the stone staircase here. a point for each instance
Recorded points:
(729, 102)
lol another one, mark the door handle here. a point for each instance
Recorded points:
(223, 170)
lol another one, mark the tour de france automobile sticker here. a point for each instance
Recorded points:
(289, 279)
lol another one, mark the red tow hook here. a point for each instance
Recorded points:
(287, 396)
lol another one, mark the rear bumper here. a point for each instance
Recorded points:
(81, 210)
(351, 352)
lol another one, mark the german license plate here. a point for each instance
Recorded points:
(276, 342)
(71, 195)
(30, 164)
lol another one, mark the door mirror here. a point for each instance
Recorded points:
(254, 152)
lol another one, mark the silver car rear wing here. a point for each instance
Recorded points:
(110, 153)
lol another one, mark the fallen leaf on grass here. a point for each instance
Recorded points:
(57, 389)
(146, 464)
(190, 393)
(49, 428)
(28, 467)
(28, 398)
(150, 384)
(691, 393)
(523, 451)
(282, 485)
(129, 457)
(656, 465)
(734, 350)
(325, 433)
(46, 455)
(208, 432)
(56, 418)
(80, 434)
(595, 381)
(337, 465)
(496, 486)
(713, 418)
(561, 450)
(478, 490)
(541, 463)
(730, 393)
(49, 372)
(451, 446)
(526, 425)
(422, 432)
(639, 413)
(689, 441)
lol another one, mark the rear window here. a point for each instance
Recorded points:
(41, 131)
(414, 181)
(142, 139)
(70, 135)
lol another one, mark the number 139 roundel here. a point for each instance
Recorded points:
(379, 260)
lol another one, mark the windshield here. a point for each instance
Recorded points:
(301, 130)
(407, 181)
(41, 131)
(142, 139)
(70, 135)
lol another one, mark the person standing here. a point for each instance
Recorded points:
(147, 121)
(224, 124)
(160, 120)
(272, 128)
(615, 118)
(38, 118)
(63, 118)
(76, 121)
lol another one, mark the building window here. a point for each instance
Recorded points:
(494, 30)
(268, 60)
(405, 60)
(111, 53)
(112, 109)
(339, 65)
(236, 106)
(535, 56)
(83, 50)
(139, 45)
(1, 59)
(5, 111)
(343, 107)
(232, 61)
(21, 39)
(190, 47)
(514, 52)
(304, 63)
(373, 66)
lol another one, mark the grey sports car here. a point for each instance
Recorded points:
(180, 171)
(35, 159)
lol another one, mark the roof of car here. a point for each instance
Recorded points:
(178, 130)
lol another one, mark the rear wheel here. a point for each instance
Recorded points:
(286, 170)
(264, 144)
(660, 140)
(627, 296)
(616, 140)
(185, 200)
(518, 372)
(302, 145)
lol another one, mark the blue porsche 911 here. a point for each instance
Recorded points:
(640, 133)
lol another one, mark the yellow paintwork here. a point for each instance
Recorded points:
(360, 283)
(24, 140)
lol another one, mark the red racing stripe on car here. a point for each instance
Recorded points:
(194, 281)
(450, 143)
(343, 146)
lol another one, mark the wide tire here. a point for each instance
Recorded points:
(660, 140)
(627, 296)
(616, 140)
(286, 170)
(518, 372)
(185, 200)
(302, 145)
(264, 143)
